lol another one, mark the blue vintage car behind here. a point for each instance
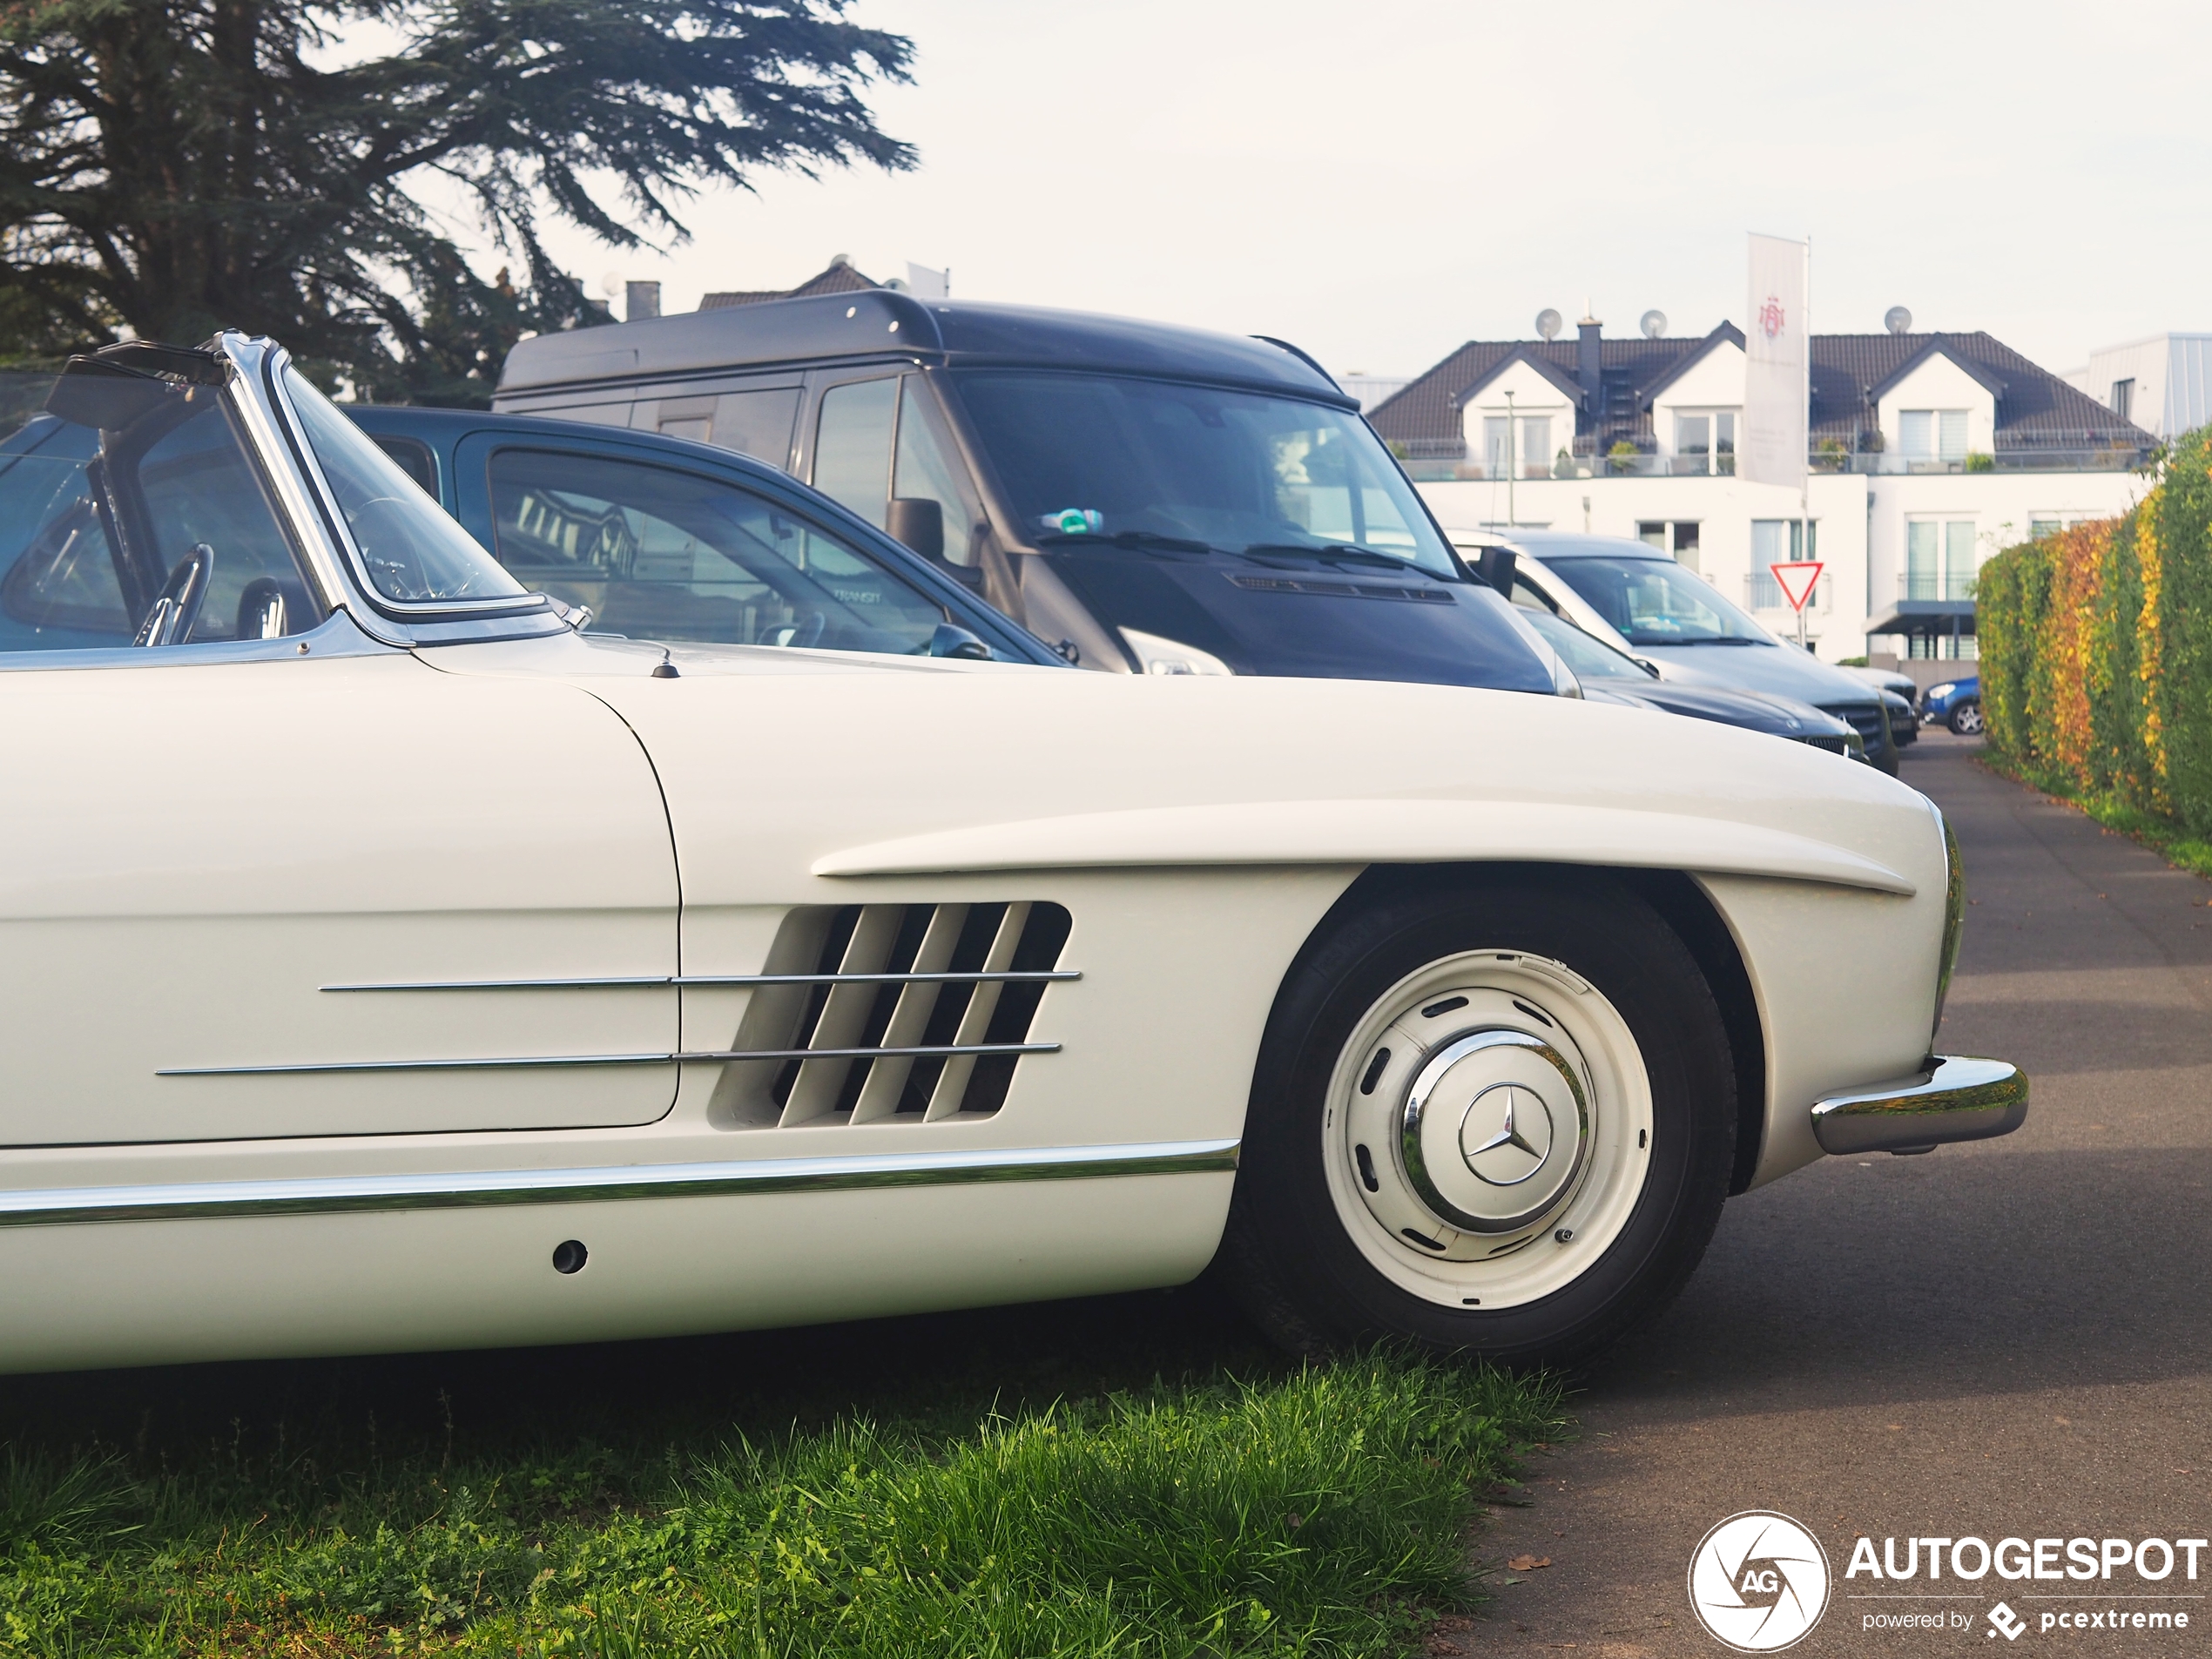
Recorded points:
(1956, 703)
(663, 538)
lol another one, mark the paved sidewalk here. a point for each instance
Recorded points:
(2011, 1338)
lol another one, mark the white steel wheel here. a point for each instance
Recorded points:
(1489, 1130)
(1494, 1113)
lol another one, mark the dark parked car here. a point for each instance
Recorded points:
(1667, 615)
(1155, 500)
(1956, 703)
(666, 539)
(1607, 676)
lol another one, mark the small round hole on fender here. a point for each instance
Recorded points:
(569, 1256)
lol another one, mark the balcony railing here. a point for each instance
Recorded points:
(1445, 461)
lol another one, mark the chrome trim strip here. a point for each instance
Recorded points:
(527, 1062)
(331, 1195)
(1952, 1099)
(619, 982)
(250, 395)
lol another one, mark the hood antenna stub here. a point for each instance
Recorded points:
(664, 669)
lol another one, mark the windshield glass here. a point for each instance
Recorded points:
(1590, 658)
(1094, 454)
(1656, 601)
(412, 550)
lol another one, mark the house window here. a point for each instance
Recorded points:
(1497, 446)
(2123, 398)
(1778, 540)
(1536, 446)
(2042, 524)
(1686, 543)
(1652, 532)
(1940, 558)
(1932, 434)
(1705, 441)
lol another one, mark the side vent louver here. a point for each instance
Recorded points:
(913, 1012)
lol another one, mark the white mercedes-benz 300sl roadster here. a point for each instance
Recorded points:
(386, 964)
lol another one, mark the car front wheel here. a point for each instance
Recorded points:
(1497, 1119)
(1965, 719)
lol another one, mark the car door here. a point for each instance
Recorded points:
(273, 880)
(665, 552)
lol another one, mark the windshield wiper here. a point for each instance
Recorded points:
(1128, 538)
(1334, 551)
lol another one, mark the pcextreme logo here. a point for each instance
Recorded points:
(1758, 1581)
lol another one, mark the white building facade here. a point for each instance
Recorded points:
(2162, 383)
(1929, 454)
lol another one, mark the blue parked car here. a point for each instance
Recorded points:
(1956, 703)
(662, 538)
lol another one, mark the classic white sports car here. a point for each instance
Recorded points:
(387, 965)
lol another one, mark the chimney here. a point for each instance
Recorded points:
(640, 300)
(1586, 364)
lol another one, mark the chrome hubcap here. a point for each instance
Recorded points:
(1493, 1130)
(1488, 1129)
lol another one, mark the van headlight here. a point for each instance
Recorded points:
(1158, 656)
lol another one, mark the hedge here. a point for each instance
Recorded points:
(2096, 650)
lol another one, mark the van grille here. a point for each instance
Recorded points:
(918, 1012)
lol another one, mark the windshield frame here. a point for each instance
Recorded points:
(1018, 537)
(428, 622)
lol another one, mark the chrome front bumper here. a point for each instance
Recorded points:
(1954, 1099)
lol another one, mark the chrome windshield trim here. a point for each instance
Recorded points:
(521, 1062)
(1952, 1098)
(654, 981)
(494, 617)
(334, 1195)
(249, 394)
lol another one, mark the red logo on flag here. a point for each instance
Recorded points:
(1771, 316)
(1797, 581)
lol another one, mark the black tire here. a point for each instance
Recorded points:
(1289, 1254)
(1965, 719)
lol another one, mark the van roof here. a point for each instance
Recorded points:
(885, 323)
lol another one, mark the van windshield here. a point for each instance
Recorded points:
(1098, 455)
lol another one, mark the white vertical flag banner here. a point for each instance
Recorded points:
(1776, 346)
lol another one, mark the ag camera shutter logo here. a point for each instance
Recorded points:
(1758, 1581)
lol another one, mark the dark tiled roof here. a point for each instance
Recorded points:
(2036, 409)
(839, 278)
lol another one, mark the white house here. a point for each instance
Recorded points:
(1929, 452)
(2163, 384)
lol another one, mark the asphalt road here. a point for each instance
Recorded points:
(2012, 1338)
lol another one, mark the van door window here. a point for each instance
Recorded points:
(759, 423)
(852, 446)
(927, 468)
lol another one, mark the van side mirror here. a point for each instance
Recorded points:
(1495, 565)
(918, 522)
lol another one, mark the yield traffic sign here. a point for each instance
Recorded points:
(1796, 580)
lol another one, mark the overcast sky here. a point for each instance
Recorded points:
(1379, 182)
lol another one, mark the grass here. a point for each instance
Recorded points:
(2163, 835)
(1134, 1476)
